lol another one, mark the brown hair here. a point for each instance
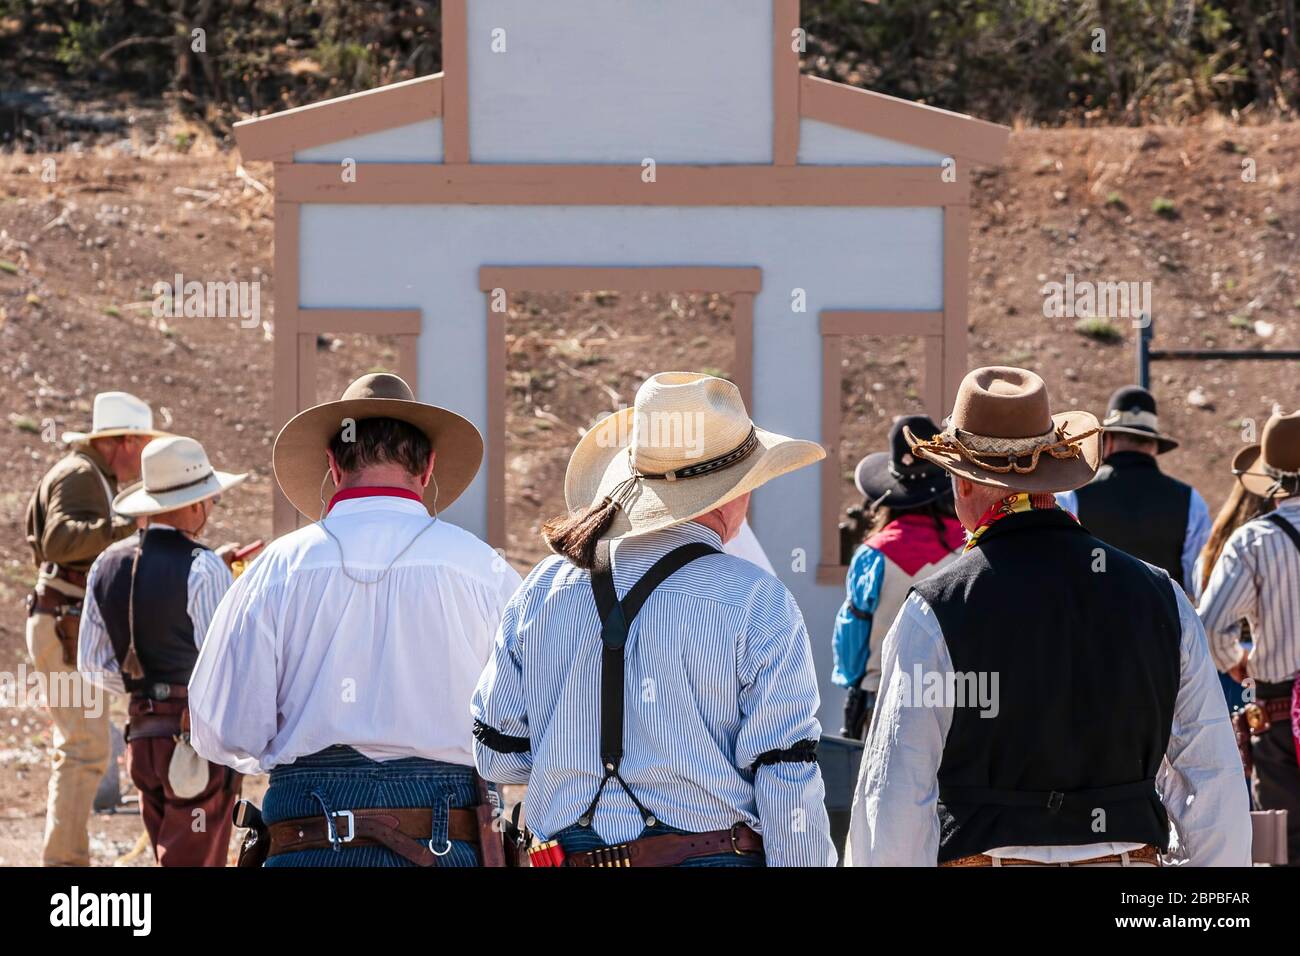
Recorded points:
(1241, 506)
(377, 441)
(574, 535)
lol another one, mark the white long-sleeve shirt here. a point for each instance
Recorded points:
(208, 581)
(300, 657)
(895, 820)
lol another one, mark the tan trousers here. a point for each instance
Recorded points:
(77, 759)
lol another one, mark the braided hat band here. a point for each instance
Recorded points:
(976, 449)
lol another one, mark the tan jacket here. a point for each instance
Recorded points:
(70, 517)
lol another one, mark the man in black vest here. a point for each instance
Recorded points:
(1032, 689)
(1131, 503)
(149, 599)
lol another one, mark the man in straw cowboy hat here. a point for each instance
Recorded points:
(1131, 503)
(1033, 688)
(1257, 578)
(656, 694)
(69, 521)
(913, 533)
(343, 660)
(149, 599)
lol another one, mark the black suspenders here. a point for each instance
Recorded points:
(616, 619)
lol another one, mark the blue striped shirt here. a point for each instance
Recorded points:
(718, 671)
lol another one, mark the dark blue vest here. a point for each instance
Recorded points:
(164, 634)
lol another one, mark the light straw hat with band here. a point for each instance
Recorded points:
(686, 447)
(1002, 433)
(1271, 469)
(116, 413)
(176, 472)
(299, 454)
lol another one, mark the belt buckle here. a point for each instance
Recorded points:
(160, 691)
(1256, 717)
(735, 847)
(352, 826)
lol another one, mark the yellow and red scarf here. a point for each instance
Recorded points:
(1013, 504)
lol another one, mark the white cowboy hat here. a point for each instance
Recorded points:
(116, 413)
(686, 447)
(176, 472)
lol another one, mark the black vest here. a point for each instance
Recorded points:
(164, 634)
(1139, 509)
(1087, 663)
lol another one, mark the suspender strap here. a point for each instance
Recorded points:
(616, 619)
(1286, 527)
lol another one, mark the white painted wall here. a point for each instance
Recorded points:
(413, 143)
(824, 144)
(427, 257)
(617, 81)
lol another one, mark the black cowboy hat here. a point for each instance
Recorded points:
(897, 478)
(1132, 411)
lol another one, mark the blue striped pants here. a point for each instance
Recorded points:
(340, 778)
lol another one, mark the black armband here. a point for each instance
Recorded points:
(805, 751)
(493, 739)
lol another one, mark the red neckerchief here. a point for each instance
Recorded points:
(1014, 504)
(371, 491)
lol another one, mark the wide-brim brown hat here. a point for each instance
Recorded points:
(685, 447)
(1271, 469)
(299, 454)
(1002, 433)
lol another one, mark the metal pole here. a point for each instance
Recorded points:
(1144, 352)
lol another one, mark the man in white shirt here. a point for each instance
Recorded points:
(1046, 699)
(344, 660)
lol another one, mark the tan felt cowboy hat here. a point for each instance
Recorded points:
(176, 472)
(1002, 433)
(1271, 469)
(116, 413)
(299, 454)
(685, 447)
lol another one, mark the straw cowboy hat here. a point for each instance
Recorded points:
(299, 453)
(176, 472)
(1271, 469)
(686, 447)
(1132, 411)
(116, 413)
(1002, 433)
(897, 478)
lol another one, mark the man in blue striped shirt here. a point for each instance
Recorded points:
(712, 759)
